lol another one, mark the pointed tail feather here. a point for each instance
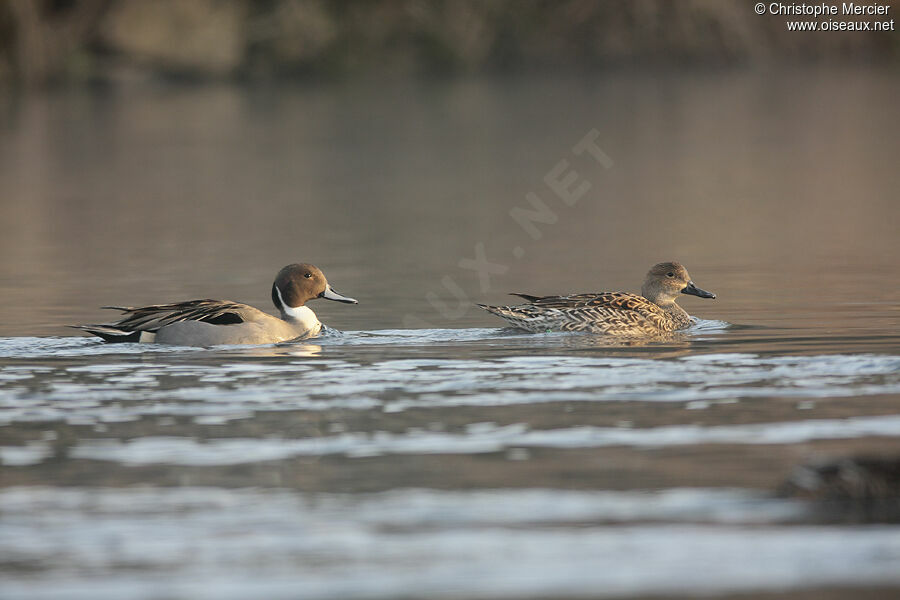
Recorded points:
(497, 310)
(508, 313)
(110, 333)
(528, 297)
(515, 318)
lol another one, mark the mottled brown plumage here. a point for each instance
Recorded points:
(611, 313)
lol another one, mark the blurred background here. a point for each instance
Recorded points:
(241, 40)
(157, 151)
(429, 156)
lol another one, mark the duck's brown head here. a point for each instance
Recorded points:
(298, 283)
(667, 280)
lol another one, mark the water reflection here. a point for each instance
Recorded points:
(129, 198)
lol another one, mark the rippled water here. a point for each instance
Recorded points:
(442, 463)
(419, 450)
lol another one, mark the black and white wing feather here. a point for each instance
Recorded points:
(150, 319)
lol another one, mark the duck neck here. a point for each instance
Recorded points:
(678, 314)
(298, 316)
(301, 316)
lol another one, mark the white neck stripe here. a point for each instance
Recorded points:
(299, 313)
(284, 306)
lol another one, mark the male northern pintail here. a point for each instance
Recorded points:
(214, 322)
(613, 313)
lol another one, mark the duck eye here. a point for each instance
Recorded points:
(670, 274)
(307, 275)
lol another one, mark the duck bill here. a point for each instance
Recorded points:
(693, 290)
(330, 294)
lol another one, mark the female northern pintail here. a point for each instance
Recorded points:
(613, 313)
(214, 322)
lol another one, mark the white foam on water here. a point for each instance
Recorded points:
(108, 392)
(218, 543)
(482, 439)
(32, 453)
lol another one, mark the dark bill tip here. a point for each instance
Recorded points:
(693, 290)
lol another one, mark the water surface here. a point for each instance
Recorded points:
(421, 450)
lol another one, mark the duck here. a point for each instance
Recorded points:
(222, 322)
(653, 312)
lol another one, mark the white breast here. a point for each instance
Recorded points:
(304, 317)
